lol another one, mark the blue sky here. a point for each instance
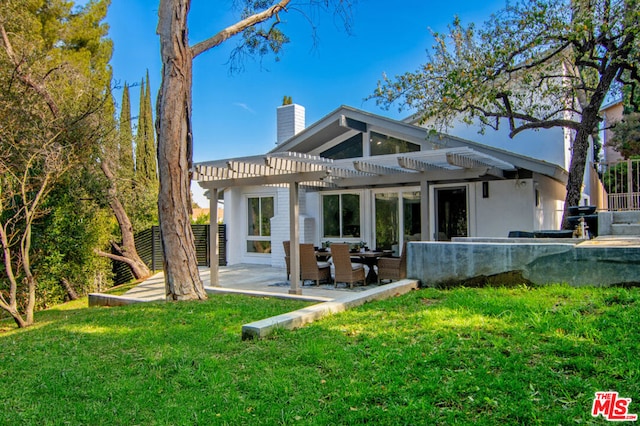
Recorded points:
(234, 114)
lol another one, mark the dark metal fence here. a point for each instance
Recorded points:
(149, 247)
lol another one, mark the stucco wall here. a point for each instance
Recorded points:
(508, 208)
(548, 212)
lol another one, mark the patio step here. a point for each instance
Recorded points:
(626, 217)
(625, 229)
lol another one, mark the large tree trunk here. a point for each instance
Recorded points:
(182, 278)
(71, 292)
(580, 146)
(577, 166)
(127, 253)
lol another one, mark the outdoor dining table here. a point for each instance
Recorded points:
(370, 258)
(323, 255)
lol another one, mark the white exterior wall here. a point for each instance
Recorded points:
(511, 206)
(548, 212)
(233, 219)
(508, 208)
(280, 229)
(551, 145)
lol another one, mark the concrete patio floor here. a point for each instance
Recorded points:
(248, 279)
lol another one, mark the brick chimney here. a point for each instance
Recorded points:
(290, 121)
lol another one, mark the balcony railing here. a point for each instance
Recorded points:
(620, 184)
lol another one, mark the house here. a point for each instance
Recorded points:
(358, 177)
(612, 112)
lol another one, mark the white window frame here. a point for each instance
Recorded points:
(248, 237)
(360, 194)
(471, 206)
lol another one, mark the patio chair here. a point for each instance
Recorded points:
(287, 255)
(346, 272)
(310, 268)
(393, 268)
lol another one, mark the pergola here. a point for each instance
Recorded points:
(293, 169)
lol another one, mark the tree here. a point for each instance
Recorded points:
(146, 174)
(131, 196)
(259, 28)
(48, 126)
(534, 65)
(125, 136)
(626, 135)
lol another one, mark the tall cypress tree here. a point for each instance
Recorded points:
(140, 151)
(125, 137)
(150, 139)
(145, 138)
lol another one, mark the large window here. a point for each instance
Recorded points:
(380, 144)
(341, 216)
(259, 214)
(351, 148)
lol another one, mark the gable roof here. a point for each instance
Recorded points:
(346, 119)
(446, 158)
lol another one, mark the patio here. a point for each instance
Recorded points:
(249, 279)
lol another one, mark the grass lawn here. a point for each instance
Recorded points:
(460, 356)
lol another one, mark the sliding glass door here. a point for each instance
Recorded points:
(397, 219)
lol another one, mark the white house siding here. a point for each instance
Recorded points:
(280, 231)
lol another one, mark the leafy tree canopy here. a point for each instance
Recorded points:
(626, 136)
(534, 65)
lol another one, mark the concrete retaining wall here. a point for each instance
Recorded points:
(435, 263)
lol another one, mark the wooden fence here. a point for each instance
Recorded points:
(149, 247)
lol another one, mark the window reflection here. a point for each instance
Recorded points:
(380, 144)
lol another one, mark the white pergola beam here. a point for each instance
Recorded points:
(418, 165)
(375, 169)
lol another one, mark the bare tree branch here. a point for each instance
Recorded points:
(238, 27)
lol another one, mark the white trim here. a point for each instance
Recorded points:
(245, 224)
(361, 194)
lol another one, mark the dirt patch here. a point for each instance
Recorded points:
(504, 279)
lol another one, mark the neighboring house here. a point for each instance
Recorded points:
(611, 114)
(355, 176)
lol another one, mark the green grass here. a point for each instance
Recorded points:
(460, 356)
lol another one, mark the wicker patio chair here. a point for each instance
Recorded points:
(393, 268)
(310, 268)
(346, 272)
